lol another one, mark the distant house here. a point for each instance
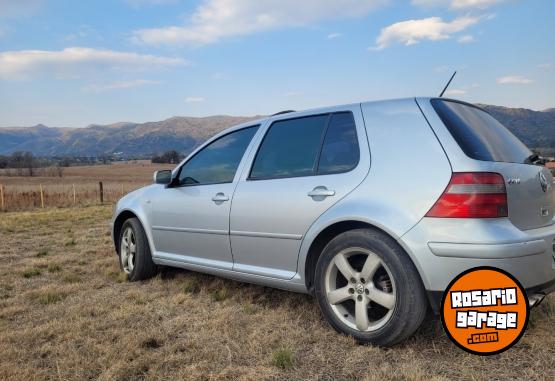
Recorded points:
(551, 166)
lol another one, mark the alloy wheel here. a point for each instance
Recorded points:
(360, 289)
(128, 250)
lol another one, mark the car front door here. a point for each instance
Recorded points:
(190, 218)
(302, 167)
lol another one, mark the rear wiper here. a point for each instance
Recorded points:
(534, 159)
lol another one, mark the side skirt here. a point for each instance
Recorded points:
(294, 285)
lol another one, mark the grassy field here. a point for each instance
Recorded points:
(119, 178)
(66, 312)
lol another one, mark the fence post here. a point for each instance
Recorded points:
(2, 195)
(121, 190)
(41, 197)
(101, 192)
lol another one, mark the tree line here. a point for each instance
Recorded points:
(26, 164)
(169, 157)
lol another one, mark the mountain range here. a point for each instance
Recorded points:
(131, 140)
(135, 140)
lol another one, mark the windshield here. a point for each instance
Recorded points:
(479, 134)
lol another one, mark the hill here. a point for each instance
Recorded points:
(535, 128)
(129, 139)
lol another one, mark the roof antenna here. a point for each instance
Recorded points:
(448, 83)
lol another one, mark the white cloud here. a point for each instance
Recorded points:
(429, 3)
(514, 80)
(545, 66)
(481, 4)
(74, 61)
(466, 39)
(292, 94)
(84, 31)
(457, 4)
(219, 75)
(120, 85)
(441, 69)
(214, 20)
(333, 36)
(411, 32)
(194, 99)
(455, 92)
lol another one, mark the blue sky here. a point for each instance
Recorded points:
(73, 63)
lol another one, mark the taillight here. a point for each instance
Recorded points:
(472, 195)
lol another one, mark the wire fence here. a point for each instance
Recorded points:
(30, 196)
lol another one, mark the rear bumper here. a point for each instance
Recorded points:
(443, 248)
(535, 295)
(488, 251)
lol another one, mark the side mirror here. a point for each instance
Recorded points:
(163, 177)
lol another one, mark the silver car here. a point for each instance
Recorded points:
(371, 207)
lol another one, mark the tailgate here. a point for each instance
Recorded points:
(476, 141)
(530, 194)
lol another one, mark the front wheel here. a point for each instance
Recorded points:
(368, 288)
(134, 253)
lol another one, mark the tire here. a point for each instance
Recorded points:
(137, 263)
(392, 298)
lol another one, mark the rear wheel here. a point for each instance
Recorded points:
(368, 288)
(134, 254)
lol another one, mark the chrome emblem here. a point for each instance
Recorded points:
(544, 183)
(513, 181)
(360, 288)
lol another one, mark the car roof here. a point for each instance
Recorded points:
(317, 110)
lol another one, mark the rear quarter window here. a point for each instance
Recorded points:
(480, 135)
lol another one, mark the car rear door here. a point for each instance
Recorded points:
(302, 167)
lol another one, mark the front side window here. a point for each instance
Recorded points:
(308, 146)
(217, 162)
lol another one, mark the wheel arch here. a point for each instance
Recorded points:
(123, 216)
(326, 234)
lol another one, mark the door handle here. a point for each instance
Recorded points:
(220, 197)
(321, 191)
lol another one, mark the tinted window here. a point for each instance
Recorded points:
(340, 152)
(217, 162)
(290, 148)
(479, 134)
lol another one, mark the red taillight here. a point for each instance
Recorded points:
(472, 195)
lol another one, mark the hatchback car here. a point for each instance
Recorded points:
(371, 207)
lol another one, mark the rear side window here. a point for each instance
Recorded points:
(320, 144)
(217, 162)
(340, 152)
(479, 134)
(290, 148)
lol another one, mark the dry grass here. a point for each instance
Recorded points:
(23, 193)
(85, 321)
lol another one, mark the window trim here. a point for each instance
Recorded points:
(319, 153)
(462, 103)
(208, 143)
